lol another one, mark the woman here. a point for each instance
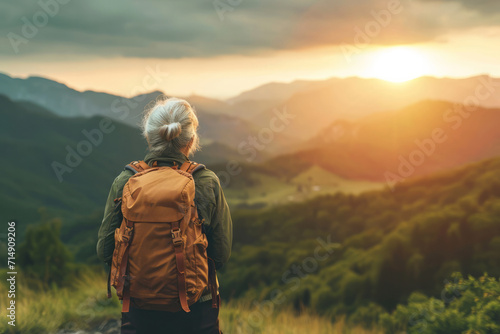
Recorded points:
(170, 128)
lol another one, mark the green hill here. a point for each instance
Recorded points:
(384, 245)
(35, 143)
(257, 187)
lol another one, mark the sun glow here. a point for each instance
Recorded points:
(398, 64)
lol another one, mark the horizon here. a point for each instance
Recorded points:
(227, 98)
(220, 51)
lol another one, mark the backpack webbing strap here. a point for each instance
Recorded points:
(191, 167)
(109, 281)
(181, 265)
(126, 298)
(212, 283)
(137, 166)
(125, 286)
(126, 283)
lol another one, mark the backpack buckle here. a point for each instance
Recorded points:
(176, 236)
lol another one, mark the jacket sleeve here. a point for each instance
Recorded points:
(111, 220)
(220, 230)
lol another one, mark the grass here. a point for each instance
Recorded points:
(240, 318)
(84, 306)
(312, 182)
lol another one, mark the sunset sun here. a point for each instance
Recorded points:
(398, 64)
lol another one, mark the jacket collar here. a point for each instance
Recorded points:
(167, 158)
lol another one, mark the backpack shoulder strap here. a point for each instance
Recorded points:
(191, 167)
(137, 166)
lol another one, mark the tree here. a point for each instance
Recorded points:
(42, 255)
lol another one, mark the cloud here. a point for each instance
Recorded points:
(182, 28)
(487, 7)
(333, 22)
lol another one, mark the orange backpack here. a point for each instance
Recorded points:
(160, 256)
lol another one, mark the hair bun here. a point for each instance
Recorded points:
(171, 131)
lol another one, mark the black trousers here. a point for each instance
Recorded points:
(203, 319)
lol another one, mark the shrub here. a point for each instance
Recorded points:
(466, 306)
(43, 258)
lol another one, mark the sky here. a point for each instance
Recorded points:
(219, 48)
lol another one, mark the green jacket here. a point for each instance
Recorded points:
(209, 199)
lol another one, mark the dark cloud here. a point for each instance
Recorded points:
(488, 7)
(151, 28)
(184, 28)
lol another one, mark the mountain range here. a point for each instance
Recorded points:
(347, 129)
(315, 103)
(420, 139)
(215, 124)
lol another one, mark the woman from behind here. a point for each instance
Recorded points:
(170, 128)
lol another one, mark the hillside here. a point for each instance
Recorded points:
(318, 102)
(217, 124)
(423, 138)
(312, 104)
(359, 255)
(33, 139)
(252, 103)
(352, 254)
(275, 91)
(67, 102)
(352, 160)
(257, 187)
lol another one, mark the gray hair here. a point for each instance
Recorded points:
(170, 125)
